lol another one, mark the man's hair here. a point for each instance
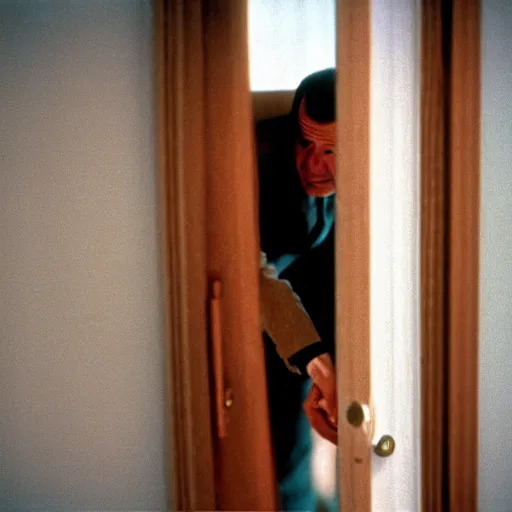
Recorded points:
(319, 91)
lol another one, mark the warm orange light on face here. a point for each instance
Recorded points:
(314, 155)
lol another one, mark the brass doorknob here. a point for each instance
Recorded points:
(357, 414)
(385, 447)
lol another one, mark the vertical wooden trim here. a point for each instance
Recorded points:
(450, 201)
(180, 89)
(433, 253)
(353, 246)
(465, 88)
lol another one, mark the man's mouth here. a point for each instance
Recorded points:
(321, 182)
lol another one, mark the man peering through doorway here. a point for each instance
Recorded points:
(297, 210)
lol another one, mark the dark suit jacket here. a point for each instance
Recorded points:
(284, 235)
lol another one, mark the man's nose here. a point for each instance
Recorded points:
(315, 162)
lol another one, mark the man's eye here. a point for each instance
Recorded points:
(329, 152)
(304, 142)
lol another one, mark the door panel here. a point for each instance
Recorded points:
(394, 250)
(244, 466)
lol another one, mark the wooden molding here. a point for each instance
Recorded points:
(180, 89)
(353, 246)
(464, 125)
(433, 253)
(450, 205)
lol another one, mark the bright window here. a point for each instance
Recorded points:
(288, 40)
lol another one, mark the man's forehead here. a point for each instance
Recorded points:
(312, 135)
(323, 133)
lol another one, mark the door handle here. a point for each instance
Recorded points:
(223, 397)
(359, 415)
(385, 447)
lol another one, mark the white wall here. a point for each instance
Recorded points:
(496, 260)
(81, 378)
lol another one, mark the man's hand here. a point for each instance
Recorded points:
(318, 418)
(321, 404)
(323, 374)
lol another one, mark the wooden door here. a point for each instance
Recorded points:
(353, 249)
(244, 464)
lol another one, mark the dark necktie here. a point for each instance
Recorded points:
(319, 224)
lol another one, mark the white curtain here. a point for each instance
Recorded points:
(289, 39)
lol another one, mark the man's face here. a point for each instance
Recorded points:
(314, 155)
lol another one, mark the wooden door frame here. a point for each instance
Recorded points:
(182, 187)
(465, 114)
(434, 261)
(450, 206)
